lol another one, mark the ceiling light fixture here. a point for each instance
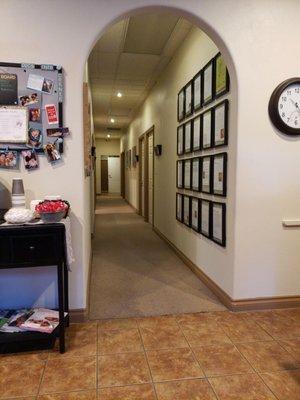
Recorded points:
(119, 94)
(112, 120)
(108, 135)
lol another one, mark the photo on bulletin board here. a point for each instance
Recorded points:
(187, 210)
(179, 174)
(181, 105)
(195, 216)
(13, 124)
(220, 126)
(35, 136)
(197, 133)
(208, 83)
(30, 159)
(180, 140)
(205, 218)
(188, 104)
(188, 137)
(220, 174)
(197, 88)
(221, 76)
(206, 181)
(179, 209)
(9, 159)
(207, 129)
(187, 174)
(218, 231)
(196, 169)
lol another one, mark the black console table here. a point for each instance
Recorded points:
(37, 245)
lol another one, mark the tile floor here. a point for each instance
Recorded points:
(202, 356)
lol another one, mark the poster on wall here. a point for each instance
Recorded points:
(187, 210)
(220, 174)
(195, 214)
(206, 175)
(196, 174)
(197, 133)
(188, 99)
(13, 124)
(188, 137)
(187, 174)
(207, 129)
(208, 83)
(221, 76)
(218, 223)
(180, 174)
(180, 140)
(180, 105)
(205, 217)
(179, 207)
(220, 135)
(197, 90)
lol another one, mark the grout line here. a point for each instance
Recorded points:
(97, 359)
(265, 384)
(42, 376)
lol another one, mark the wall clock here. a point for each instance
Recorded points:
(284, 107)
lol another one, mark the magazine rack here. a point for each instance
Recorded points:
(30, 246)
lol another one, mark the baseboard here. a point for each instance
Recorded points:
(79, 315)
(258, 303)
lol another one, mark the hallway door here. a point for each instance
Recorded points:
(123, 174)
(114, 176)
(104, 176)
(150, 138)
(142, 179)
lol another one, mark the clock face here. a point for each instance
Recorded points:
(289, 106)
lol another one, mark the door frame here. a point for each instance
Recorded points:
(122, 165)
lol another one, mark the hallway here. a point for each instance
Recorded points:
(135, 274)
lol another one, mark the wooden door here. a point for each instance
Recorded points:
(104, 176)
(142, 173)
(150, 159)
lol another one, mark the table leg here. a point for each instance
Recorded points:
(60, 285)
(66, 289)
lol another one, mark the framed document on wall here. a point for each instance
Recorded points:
(197, 80)
(179, 174)
(206, 179)
(220, 129)
(188, 137)
(196, 162)
(195, 213)
(208, 83)
(13, 124)
(218, 232)
(187, 174)
(197, 133)
(207, 129)
(180, 105)
(179, 209)
(205, 217)
(180, 140)
(221, 76)
(186, 210)
(220, 174)
(188, 109)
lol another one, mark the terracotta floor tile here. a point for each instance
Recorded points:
(190, 389)
(292, 346)
(20, 379)
(122, 369)
(137, 392)
(120, 341)
(163, 321)
(90, 326)
(206, 333)
(239, 329)
(166, 365)
(241, 387)
(221, 360)
(163, 338)
(117, 324)
(284, 384)
(79, 342)
(279, 326)
(24, 357)
(267, 356)
(82, 395)
(292, 313)
(195, 317)
(69, 374)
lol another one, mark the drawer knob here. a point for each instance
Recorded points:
(31, 248)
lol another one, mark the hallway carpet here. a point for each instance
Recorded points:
(135, 274)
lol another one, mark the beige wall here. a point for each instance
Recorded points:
(105, 147)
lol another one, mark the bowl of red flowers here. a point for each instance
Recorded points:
(52, 210)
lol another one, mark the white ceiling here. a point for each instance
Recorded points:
(128, 58)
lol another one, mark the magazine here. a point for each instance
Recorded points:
(11, 320)
(41, 320)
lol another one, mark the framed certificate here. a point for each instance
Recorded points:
(207, 129)
(187, 174)
(179, 174)
(195, 216)
(180, 140)
(221, 76)
(188, 136)
(180, 105)
(197, 85)
(206, 179)
(218, 231)
(220, 174)
(197, 133)
(205, 218)
(220, 126)
(13, 124)
(187, 210)
(188, 104)
(196, 162)
(208, 83)
(179, 209)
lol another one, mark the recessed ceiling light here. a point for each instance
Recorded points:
(112, 120)
(108, 135)
(119, 94)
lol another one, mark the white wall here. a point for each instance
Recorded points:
(259, 41)
(105, 147)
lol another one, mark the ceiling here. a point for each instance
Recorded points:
(128, 58)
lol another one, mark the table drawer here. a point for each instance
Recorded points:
(34, 248)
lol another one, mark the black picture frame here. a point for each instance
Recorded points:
(208, 80)
(188, 107)
(205, 206)
(220, 92)
(221, 210)
(179, 167)
(180, 113)
(186, 201)
(197, 79)
(195, 201)
(188, 137)
(197, 133)
(206, 161)
(179, 211)
(220, 110)
(219, 175)
(187, 175)
(180, 131)
(197, 187)
(207, 118)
